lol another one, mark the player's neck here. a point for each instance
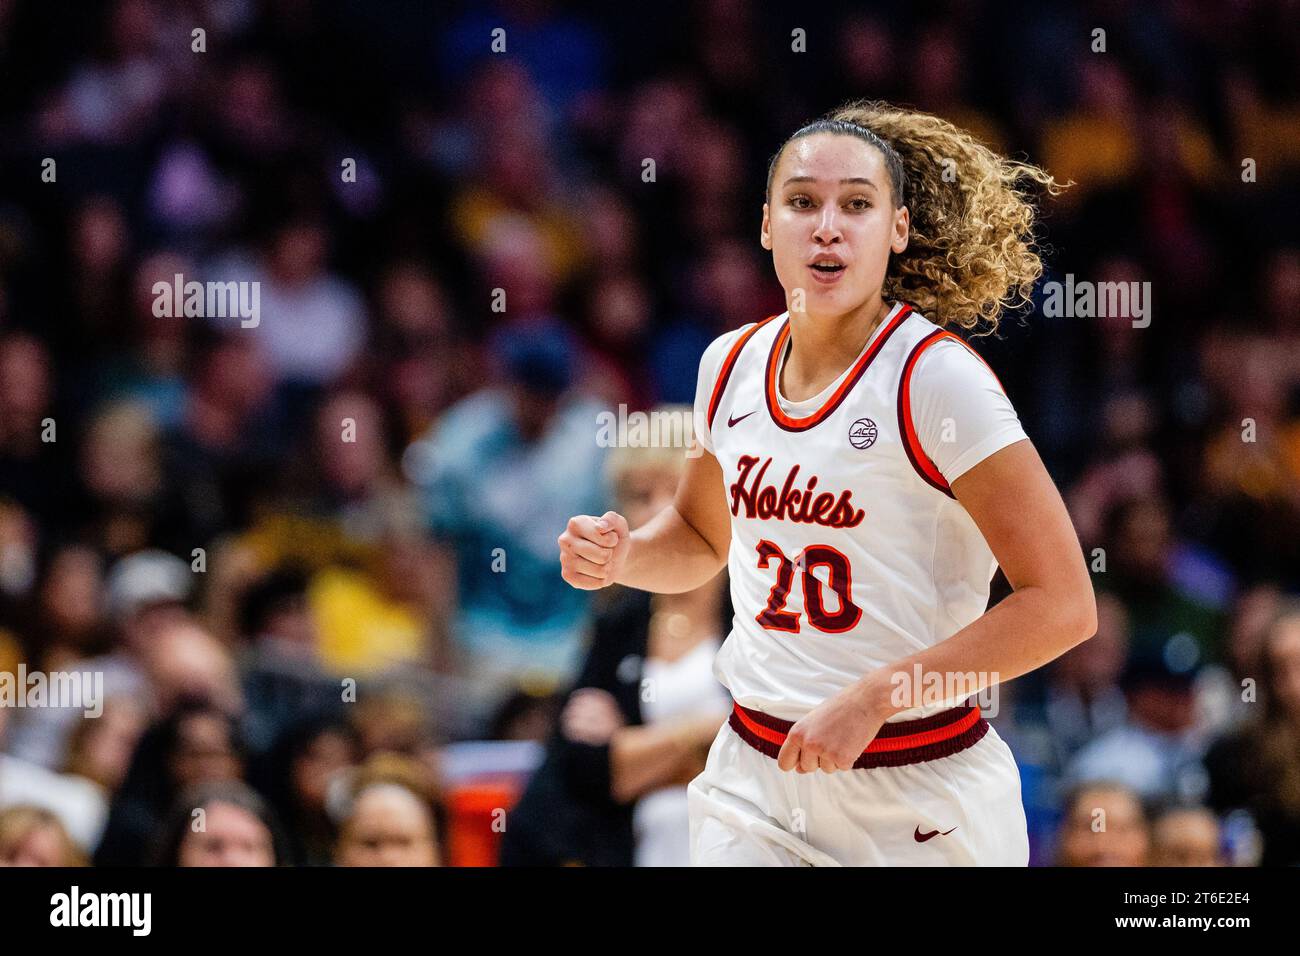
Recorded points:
(822, 347)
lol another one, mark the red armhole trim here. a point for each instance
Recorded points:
(724, 373)
(911, 444)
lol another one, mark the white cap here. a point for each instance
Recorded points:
(147, 577)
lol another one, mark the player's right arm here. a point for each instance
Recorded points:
(684, 545)
(679, 549)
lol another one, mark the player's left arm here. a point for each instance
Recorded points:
(1017, 508)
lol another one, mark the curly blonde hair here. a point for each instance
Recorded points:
(971, 253)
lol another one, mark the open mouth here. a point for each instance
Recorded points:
(827, 272)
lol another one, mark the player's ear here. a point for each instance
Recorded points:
(902, 228)
(765, 231)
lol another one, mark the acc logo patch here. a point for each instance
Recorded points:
(862, 433)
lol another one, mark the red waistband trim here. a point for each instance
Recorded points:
(897, 744)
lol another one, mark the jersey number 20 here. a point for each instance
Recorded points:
(774, 617)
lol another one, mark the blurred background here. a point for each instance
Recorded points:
(314, 560)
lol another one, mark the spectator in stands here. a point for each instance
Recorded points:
(1156, 750)
(1257, 767)
(1081, 698)
(223, 452)
(387, 816)
(312, 322)
(221, 823)
(1141, 554)
(640, 719)
(1251, 472)
(64, 619)
(79, 806)
(502, 470)
(296, 775)
(100, 749)
(1105, 824)
(1186, 836)
(199, 743)
(281, 672)
(146, 597)
(33, 472)
(33, 836)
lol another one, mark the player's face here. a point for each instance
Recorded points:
(831, 223)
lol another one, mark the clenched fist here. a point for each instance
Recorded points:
(592, 550)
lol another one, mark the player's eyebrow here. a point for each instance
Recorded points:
(843, 182)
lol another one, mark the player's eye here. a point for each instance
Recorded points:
(859, 204)
(800, 202)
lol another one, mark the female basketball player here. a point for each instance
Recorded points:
(862, 475)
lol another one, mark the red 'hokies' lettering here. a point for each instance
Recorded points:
(763, 501)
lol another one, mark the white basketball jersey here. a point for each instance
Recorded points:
(848, 550)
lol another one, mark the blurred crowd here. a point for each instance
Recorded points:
(314, 558)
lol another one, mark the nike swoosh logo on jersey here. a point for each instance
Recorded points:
(922, 837)
(731, 422)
